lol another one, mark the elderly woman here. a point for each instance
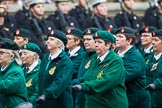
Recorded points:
(12, 81)
(31, 66)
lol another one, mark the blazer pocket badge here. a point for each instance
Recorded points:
(100, 74)
(88, 64)
(52, 70)
(29, 83)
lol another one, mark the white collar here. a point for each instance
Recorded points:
(147, 50)
(122, 53)
(103, 56)
(32, 66)
(72, 52)
(157, 56)
(55, 55)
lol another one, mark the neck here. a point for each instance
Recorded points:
(147, 46)
(52, 52)
(157, 52)
(4, 64)
(123, 49)
(29, 64)
(38, 16)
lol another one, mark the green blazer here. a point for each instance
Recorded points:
(12, 85)
(104, 83)
(54, 82)
(135, 79)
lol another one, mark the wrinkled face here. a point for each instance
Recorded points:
(1, 21)
(101, 47)
(63, 7)
(146, 39)
(89, 43)
(128, 3)
(6, 4)
(27, 57)
(157, 44)
(52, 43)
(121, 41)
(38, 9)
(102, 9)
(5, 57)
(20, 40)
(72, 42)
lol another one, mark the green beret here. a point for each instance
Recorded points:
(58, 34)
(90, 31)
(147, 29)
(126, 30)
(104, 35)
(75, 32)
(112, 30)
(97, 2)
(31, 47)
(157, 33)
(6, 43)
(22, 33)
(3, 10)
(36, 2)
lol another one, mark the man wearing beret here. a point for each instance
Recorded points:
(154, 76)
(37, 25)
(61, 18)
(21, 36)
(10, 22)
(89, 45)
(100, 19)
(12, 80)
(55, 74)
(146, 41)
(135, 73)
(104, 80)
(31, 66)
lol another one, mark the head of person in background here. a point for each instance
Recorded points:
(6, 3)
(30, 53)
(125, 38)
(74, 38)
(37, 8)
(56, 40)
(2, 14)
(82, 3)
(26, 3)
(127, 5)
(157, 41)
(159, 6)
(8, 52)
(89, 43)
(103, 42)
(146, 36)
(100, 8)
(21, 36)
(63, 6)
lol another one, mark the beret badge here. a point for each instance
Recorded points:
(122, 30)
(52, 32)
(69, 31)
(88, 31)
(153, 33)
(17, 32)
(146, 28)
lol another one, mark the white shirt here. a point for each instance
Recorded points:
(32, 66)
(157, 56)
(122, 53)
(103, 56)
(72, 52)
(147, 50)
(55, 55)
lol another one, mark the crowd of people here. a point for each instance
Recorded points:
(80, 58)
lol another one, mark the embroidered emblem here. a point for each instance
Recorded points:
(17, 32)
(88, 64)
(147, 61)
(122, 30)
(52, 32)
(96, 35)
(69, 31)
(100, 74)
(52, 70)
(146, 28)
(29, 83)
(88, 31)
(154, 67)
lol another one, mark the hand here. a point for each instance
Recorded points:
(151, 87)
(77, 87)
(41, 99)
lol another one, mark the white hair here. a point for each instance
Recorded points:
(62, 46)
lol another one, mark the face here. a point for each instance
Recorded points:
(52, 43)
(82, 3)
(1, 21)
(38, 9)
(157, 44)
(146, 39)
(27, 57)
(63, 7)
(128, 4)
(121, 41)
(20, 40)
(72, 42)
(89, 43)
(5, 57)
(101, 47)
(101, 9)
(6, 3)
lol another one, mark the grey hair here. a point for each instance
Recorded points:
(16, 55)
(32, 53)
(62, 47)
